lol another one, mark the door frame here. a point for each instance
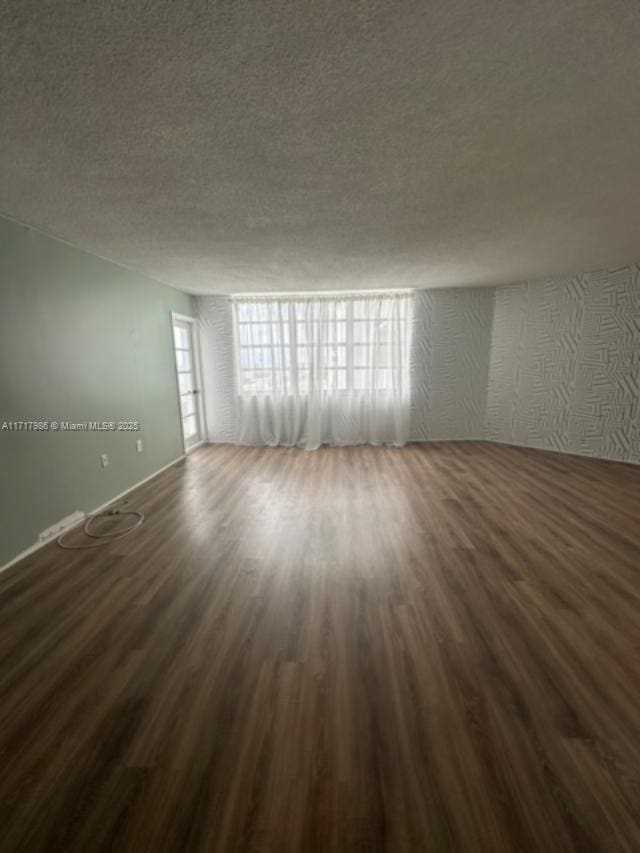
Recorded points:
(197, 374)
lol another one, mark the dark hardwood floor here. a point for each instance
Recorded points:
(362, 649)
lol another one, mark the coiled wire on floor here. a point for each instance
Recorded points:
(102, 538)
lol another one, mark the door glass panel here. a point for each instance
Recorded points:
(187, 404)
(181, 336)
(188, 398)
(190, 427)
(182, 359)
(185, 381)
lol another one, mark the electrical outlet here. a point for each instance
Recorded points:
(139, 445)
(104, 460)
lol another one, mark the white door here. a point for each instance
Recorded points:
(188, 390)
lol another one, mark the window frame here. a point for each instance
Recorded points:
(291, 371)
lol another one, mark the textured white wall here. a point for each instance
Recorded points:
(565, 364)
(450, 364)
(552, 364)
(218, 369)
(452, 339)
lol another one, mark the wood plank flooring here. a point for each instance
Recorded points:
(364, 649)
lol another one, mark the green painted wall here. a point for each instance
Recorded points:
(80, 339)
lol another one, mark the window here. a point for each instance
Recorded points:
(300, 345)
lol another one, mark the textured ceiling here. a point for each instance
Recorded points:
(229, 146)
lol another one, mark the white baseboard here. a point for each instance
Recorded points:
(562, 452)
(195, 446)
(526, 447)
(43, 542)
(35, 547)
(62, 526)
(141, 483)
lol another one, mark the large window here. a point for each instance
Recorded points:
(302, 345)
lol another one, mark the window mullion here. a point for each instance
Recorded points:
(271, 346)
(293, 346)
(237, 338)
(350, 343)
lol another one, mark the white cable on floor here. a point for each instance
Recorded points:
(104, 537)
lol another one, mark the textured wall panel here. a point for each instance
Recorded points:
(552, 364)
(452, 338)
(421, 363)
(450, 362)
(565, 364)
(218, 366)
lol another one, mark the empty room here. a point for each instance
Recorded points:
(319, 426)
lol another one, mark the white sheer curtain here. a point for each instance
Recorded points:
(323, 369)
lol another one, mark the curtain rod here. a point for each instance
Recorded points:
(311, 294)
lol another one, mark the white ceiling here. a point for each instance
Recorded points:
(323, 144)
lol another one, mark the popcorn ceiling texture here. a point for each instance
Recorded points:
(230, 146)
